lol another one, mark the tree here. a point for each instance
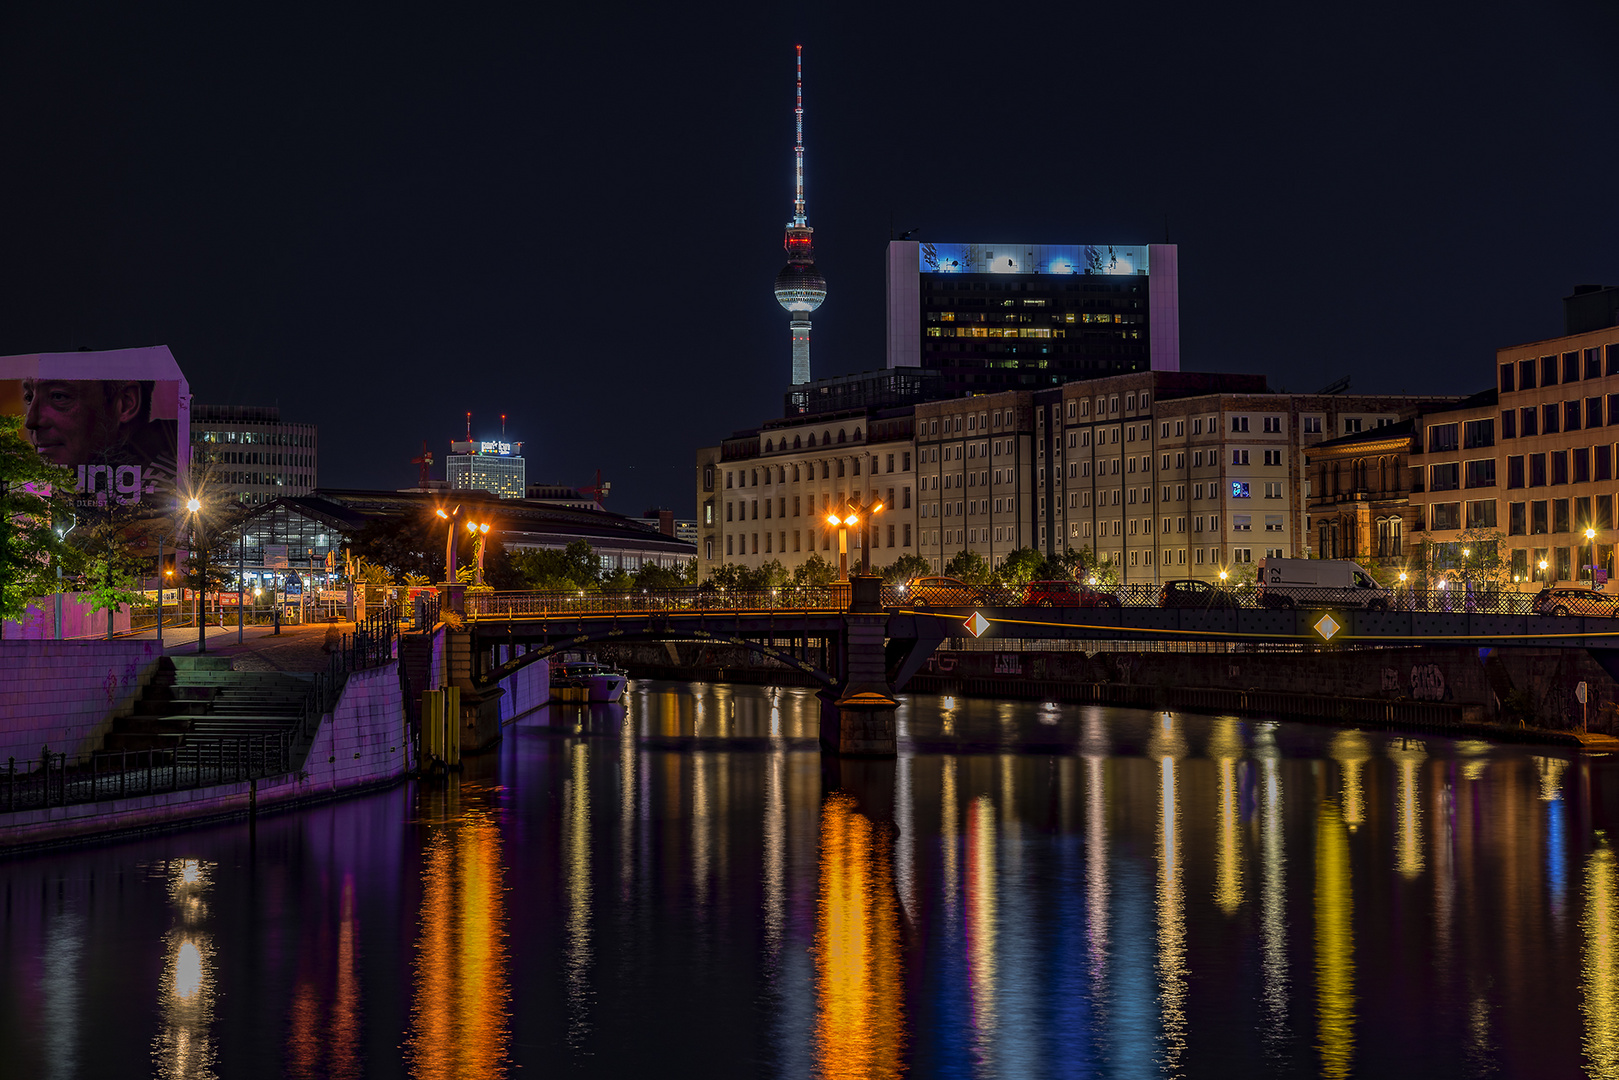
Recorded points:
(573, 569)
(36, 499)
(403, 545)
(654, 578)
(109, 568)
(1022, 566)
(970, 567)
(815, 571)
(905, 568)
(1083, 564)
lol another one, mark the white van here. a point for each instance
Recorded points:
(1288, 583)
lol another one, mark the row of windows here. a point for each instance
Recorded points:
(779, 505)
(746, 477)
(254, 438)
(1580, 465)
(1559, 515)
(776, 543)
(1555, 564)
(1574, 366)
(257, 457)
(771, 446)
(1550, 418)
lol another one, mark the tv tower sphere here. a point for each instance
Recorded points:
(800, 288)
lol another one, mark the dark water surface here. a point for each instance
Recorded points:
(677, 887)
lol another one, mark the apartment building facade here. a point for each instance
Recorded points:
(765, 494)
(1533, 469)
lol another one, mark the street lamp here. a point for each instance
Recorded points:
(449, 543)
(1543, 569)
(479, 531)
(850, 517)
(838, 523)
(194, 508)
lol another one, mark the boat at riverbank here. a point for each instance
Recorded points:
(587, 680)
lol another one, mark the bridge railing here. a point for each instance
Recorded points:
(577, 602)
(836, 597)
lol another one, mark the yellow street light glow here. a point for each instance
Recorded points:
(1543, 564)
(193, 505)
(877, 509)
(1402, 575)
(1222, 575)
(484, 527)
(833, 519)
(1590, 534)
(852, 519)
(472, 526)
(440, 512)
(1466, 552)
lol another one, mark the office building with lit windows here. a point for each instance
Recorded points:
(993, 317)
(1534, 466)
(495, 467)
(252, 454)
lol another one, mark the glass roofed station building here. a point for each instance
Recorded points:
(992, 317)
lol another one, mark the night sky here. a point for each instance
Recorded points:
(572, 214)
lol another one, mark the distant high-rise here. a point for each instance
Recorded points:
(799, 287)
(992, 317)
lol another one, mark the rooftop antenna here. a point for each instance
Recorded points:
(469, 427)
(502, 427)
(798, 146)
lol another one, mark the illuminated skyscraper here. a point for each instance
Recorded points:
(799, 287)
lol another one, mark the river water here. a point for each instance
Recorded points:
(679, 886)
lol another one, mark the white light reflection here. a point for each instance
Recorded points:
(182, 1048)
(60, 988)
(1095, 747)
(1407, 755)
(1272, 895)
(1225, 747)
(1166, 745)
(576, 859)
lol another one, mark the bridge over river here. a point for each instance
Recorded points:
(864, 641)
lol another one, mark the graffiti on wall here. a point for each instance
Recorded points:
(1391, 680)
(1008, 664)
(1427, 683)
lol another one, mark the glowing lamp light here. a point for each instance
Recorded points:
(1443, 583)
(193, 505)
(832, 519)
(1543, 564)
(852, 519)
(1222, 575)
(440, 512)
(1466, 552)
(472, 526)
(1402, 576)
(1590, 534)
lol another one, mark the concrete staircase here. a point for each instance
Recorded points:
(194, 699)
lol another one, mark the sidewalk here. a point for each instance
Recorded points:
(297, 649)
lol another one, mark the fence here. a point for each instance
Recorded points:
(918, 596)
(53, 780)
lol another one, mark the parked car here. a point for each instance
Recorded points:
(1192, 593)
(940, 592)
(1574, 602)
(1067, 594)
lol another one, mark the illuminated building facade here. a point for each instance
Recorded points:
(1024, 316)
(800, 288)
(252, 454)
(495, 467)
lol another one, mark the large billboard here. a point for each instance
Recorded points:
(1032, 258)
(118, 419)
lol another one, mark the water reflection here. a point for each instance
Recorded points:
(1166, 746)
(1334, 944)
(1272, 896)
(1225, 747)
(1407, 754)
(576, 858)
(459, 1016)
(61, 991)
(1599, 970)
(1351, 751)
(183, 1048)
(860, 1009)
(981, 926)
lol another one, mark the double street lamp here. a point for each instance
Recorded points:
(848, 518)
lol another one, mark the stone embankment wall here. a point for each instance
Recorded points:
(1433, 684)
(78, 621)
(66, 694)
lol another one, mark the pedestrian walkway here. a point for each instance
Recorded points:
(296, 648)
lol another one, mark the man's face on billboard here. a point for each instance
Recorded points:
(73, 421)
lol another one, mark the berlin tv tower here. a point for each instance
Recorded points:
(799, 287)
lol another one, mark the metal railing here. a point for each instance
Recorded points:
(54, 780)
(1455, 599)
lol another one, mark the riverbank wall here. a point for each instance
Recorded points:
(1427, 687)
(65, 695)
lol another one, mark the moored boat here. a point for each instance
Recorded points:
(587, 680)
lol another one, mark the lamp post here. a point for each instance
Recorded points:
(850, 516)
(1591, 553)
(479, 531)
(1543, 569)
(449, 543)
(194, 508)
(842, 524)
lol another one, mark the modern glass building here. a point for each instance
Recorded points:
(993, 317)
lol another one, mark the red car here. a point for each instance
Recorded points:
(1066, 594)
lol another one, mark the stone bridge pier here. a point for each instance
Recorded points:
(857, 720)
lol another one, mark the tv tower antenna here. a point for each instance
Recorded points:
(469, 427)
(800, 288)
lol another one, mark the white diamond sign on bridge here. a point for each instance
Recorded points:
(977, 625)
(1327, 626)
